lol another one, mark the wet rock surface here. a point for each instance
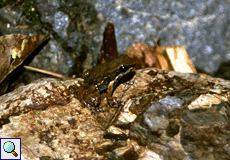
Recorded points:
(202, 27)
(164, 115)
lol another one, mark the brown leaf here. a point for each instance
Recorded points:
(147, 56)
(163, 57)
(14, 49)
(5, 55)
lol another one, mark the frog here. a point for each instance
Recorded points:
(103, 77)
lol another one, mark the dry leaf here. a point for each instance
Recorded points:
(163, 57)
(14, 49)
(147, 56)
(180, 60)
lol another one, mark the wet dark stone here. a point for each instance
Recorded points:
(45, 158)
(208, 128)
(131, 154)
(172, 129)
(109, 135)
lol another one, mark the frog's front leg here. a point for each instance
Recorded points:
(90, 97)
(112, 101)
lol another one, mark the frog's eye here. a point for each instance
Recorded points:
(123, 68)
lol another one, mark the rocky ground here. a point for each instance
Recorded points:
(164, 115)
(202, 27)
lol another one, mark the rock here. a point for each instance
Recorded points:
(77, 26)
(164, 115)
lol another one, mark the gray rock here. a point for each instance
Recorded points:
(164, 115)
(155, 116)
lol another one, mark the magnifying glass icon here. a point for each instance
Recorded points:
(9, 147)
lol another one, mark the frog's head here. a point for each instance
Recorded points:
(116, 70)
(103, 74)
(121, 64)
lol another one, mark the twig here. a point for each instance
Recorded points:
(47, 72)
(154, 41)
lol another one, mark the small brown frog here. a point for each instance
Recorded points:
(102, 77)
